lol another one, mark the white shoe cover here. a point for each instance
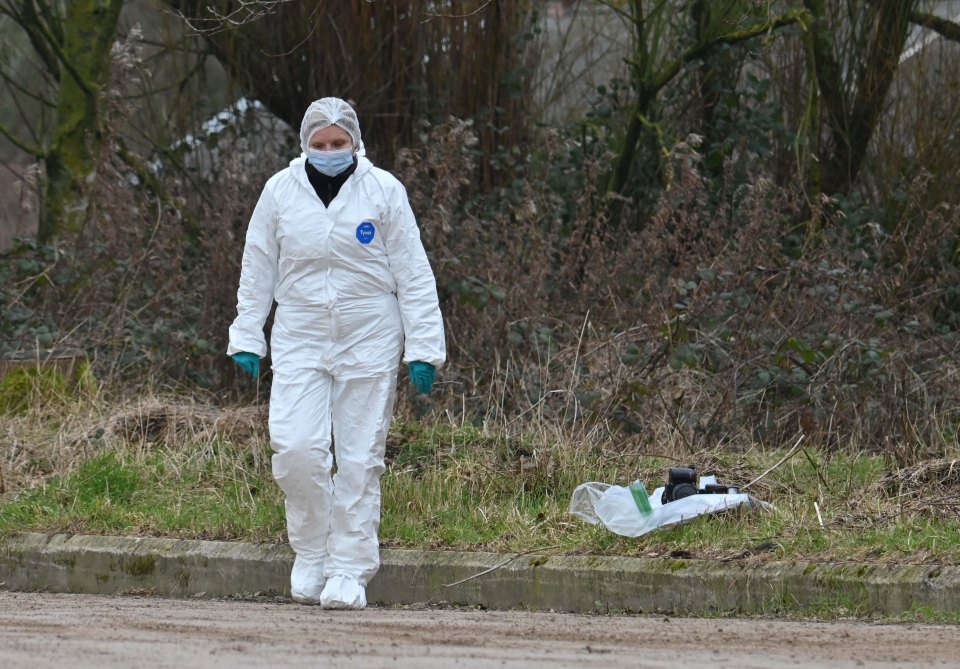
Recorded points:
(343, 592)
(306, 580)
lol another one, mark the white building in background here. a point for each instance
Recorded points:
(244, 133)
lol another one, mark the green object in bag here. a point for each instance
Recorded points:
(640, 497)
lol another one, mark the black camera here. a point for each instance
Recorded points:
(682, 482)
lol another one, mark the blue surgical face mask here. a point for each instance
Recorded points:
(330, 163)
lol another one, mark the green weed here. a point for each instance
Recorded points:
(27, 386)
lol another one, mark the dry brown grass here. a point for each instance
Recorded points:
(58, 433)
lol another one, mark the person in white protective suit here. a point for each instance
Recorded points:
(334, 242)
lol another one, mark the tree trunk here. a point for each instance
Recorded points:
(852, 122)
(87, 33)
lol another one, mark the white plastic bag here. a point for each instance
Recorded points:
(614, 506)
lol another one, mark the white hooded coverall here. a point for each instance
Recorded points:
(354, 291)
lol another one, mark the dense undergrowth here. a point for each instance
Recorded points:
(727, 318)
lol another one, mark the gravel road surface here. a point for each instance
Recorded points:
(61, 631)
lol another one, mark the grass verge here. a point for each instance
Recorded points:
(191, 471)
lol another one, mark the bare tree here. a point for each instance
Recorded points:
(663, 46)
(400, 63)
(70, 43)
(853, 49)
(854, 54)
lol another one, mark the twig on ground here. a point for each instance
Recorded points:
(502, 564)
(813, 464)
(782, 460)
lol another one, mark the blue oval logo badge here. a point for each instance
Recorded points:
(365, 232)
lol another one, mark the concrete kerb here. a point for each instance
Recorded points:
(182, 568)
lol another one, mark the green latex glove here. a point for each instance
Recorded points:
(249, 362)
(421, 375)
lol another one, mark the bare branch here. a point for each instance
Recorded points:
(617, 10)
(431, 17)
(247, 11)
(946, 28)
(10, 81)
(45, 40)
(314, 25)
(698, 50)
(142, 170)
(28, 120)
(26, 17)
(33, 150)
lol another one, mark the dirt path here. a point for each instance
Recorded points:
(77, 631)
